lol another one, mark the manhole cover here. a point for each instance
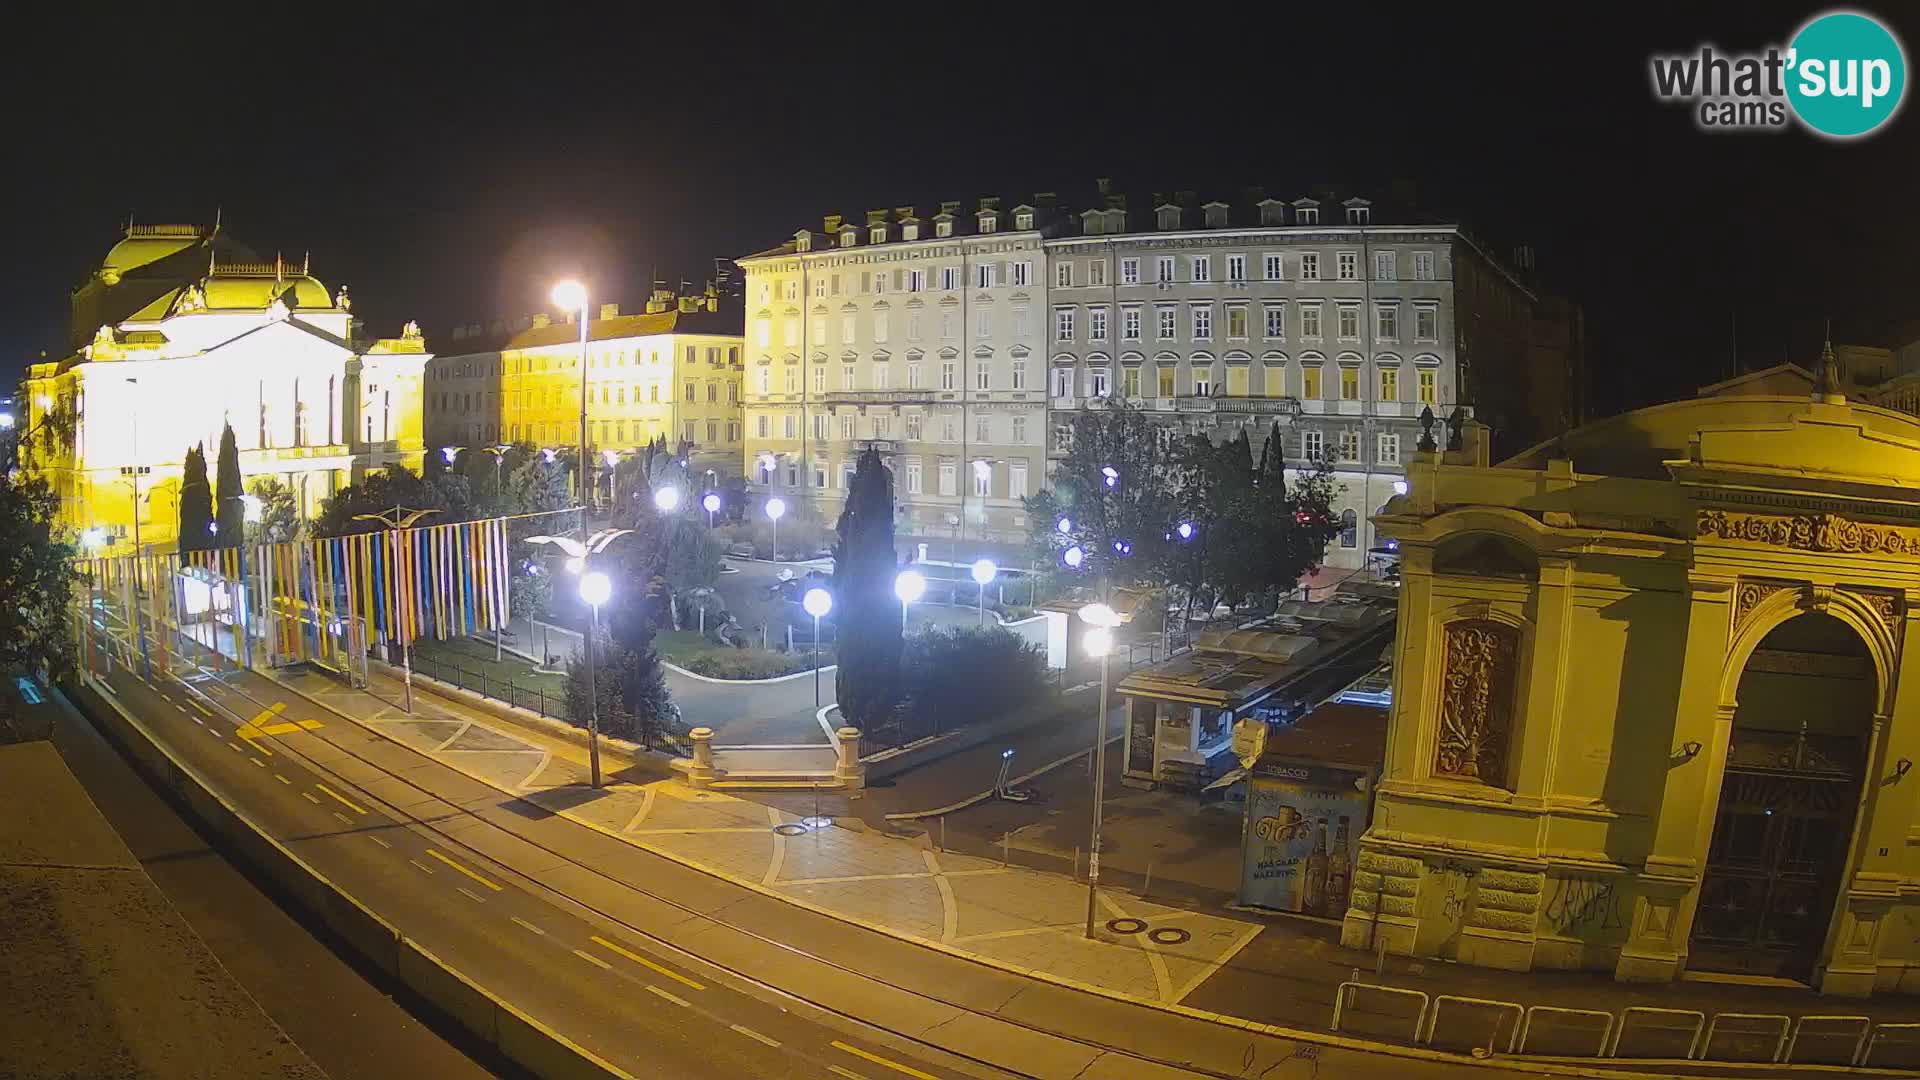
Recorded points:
(1169, 935)
(1126, 925)
(791, 828)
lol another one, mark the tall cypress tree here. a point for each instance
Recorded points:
(865, 612)
(196, 502)
(229, 512)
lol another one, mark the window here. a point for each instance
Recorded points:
(982, 430)
(846, 476)
(916, 280)
(820, 474)
(760, 426)
(819, 379)
(1163, 268)
(792, 334)
(1166, 318)
(762, 333)
(943, 228)
(1019, 369)
(1270, 266)
(1202, 382)
(1310, 382)
(819, 427)
(1306, 215)
(1097, 272)
(983, 276)
(1383, 266)
(1129, 271)
(1423, 266)
(846, 377)
(877, 234)
(1236, 380)
(1387, 448)
(1022, 272)
(1063, 273)
(1237, 322)
(982, 479)
(1349, 445)
(1130, 381)
(789, 424)
(947, 478)
(733, 393)
(1276, 322)
(989, 223)
(1313, 446)
(1099, 384)
(949, 376)
(913, 426)
(791, 289)
(1349, 322)
(690, 396)
(1097, 324)
(913, 476)
(1349, 265)
(982, 373)
(914, 381)
(880, 326)
(1019, 424)
(983, 324)
(733, 431)
(1389, 384)
(1063, 382)
(1130, 324)
(1349, 529)
(1386, 322)
(1019, 322)
(882, 426)
(913, 326)
(1310, 321)
(1426, 323)
(1163, 377)
(1429, 394)
(949, 278)
(1200, 268)
(946, 326)
(1309, 266)
(713, 432)
(879, 376)
(1236, 268)
(1017, 480)
(713, 392)
(1202, 322)
(1063, 324)
(1349, 384)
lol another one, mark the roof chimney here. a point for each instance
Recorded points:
(832, 222)
(950, 207)
(542, 320)
(1103, 185)
(609, 311)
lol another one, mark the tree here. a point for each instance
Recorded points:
(866, 612)
(1118, 520)
(37, 578)
(534, 485)
(196, 503)
(378, 492)
(634, 701)
(229, 511)
(941, 675)
(279, 512)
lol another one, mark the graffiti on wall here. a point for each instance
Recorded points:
(1584, 907)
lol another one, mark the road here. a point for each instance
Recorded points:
(587, 976)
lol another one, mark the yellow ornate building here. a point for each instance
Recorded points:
(182, 331)
(1649, 712)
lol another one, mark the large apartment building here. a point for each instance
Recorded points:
(672, 371)
(962, 345)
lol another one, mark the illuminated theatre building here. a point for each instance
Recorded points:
(182, 331)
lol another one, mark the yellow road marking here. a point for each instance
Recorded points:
(308, 795)
(848, 1073)
(754, 1035)
(464, 870)
(252, 729)
(527, 925)
(675, 998)
(646, 963)
(337, 797)
(258, 762)
(289, 727)
(594, 960)
(878, 1060)
(195, 702)
(282, 779)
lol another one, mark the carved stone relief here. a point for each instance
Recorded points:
(1476, 703)
(1809, 532)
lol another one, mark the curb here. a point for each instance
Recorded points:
(974, 800)
(518, 1037)
(678, 670)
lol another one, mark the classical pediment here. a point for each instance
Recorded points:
(1821, 450)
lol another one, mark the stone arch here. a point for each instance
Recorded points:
(1788, 603)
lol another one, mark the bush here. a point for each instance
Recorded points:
(744, 664)
(952, 677)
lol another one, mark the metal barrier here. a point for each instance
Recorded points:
(1352, 988)
(1600, 1048)
(1760, 1030)
(1910, 1042)
(1849, 1041)
(1472, 1003)
(1627, 1015)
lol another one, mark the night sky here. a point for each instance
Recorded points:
(450, 172)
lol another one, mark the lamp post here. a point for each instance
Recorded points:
(396, 520)
(593, 584)
(983, 573)
(612, 458)
(817, 602)
(710, 502)
(570, 295)
(908, 585)
(776, 506)
(133, 473)
(666, 499)
(1099, 642)
(499, 455)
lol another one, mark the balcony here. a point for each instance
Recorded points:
(878, 397)
(1262, 404)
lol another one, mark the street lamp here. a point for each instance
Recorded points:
(667, 499)
(908, 585)
(984, 572)
(449, 453)
(570, 295)
(1099, 642)
(776, 507)
(94, 539)
(1074, 556)
(1065, 525)
(1110, 475)
(612, 458)
(817, 602)
(710, 502)
(595, 589)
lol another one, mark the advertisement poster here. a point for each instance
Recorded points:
(1302, 827)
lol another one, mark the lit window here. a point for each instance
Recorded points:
(1349, 384)
(1429, 393)
(1389, 384)
(1388, 448)
(1237, 322)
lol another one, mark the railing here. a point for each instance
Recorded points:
(670, 737)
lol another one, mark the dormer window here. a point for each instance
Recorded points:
(1216, 215)
(1273, 212)
(849, 236)
(1168, 217)
(943, 228)
(989, 223)
(910, 231)
(877, 234)
(1306, 215)
(1359, 215)
(803, 241)
(1023, 221)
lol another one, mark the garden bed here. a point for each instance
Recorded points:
(687, 649)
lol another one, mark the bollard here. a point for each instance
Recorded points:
(847, 770)
(702, 774)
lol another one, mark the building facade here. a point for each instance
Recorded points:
(963, 344)
(672, 371)
(1649, 706)
(181, 332)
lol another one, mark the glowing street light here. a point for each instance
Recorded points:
(1065, 525)
(94, 539)
(984, 571)
(448, 453)
(710, 502)
(596, 588)
(570, 295)
(909, 586)
(251, 508)
(1185, 530)
(776, 508)
(667, 499)
(817, 602)
(1074, 556)
(1099, 642)
(1110, 475)
(1399, 487)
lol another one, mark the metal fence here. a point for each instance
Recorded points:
(535, 697)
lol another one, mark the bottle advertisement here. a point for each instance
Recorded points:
(1302, 825)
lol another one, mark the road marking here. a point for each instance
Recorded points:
(196, 719)
(878, 1060)
(379, 841)
(592, 959)
(675, 998)
(469, 894)
(308, 795)
(646, 963)
(848, 1073)
(235, 747)
(754, 1035)
(258, 762)
(464, 870)
(282, 779)
(337, 797)
(420, 866)
(196, 704)
(344, 819)
(183, 708)
(528, 925)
